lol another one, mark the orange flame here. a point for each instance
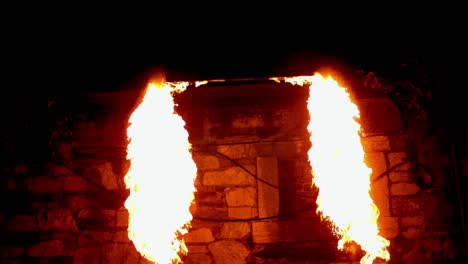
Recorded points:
(337, 160)
(161, 176)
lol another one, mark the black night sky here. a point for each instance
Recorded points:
(73, 53)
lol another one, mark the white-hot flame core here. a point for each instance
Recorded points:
(160, 178)
(338, 167)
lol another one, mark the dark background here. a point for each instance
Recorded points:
(56, 51)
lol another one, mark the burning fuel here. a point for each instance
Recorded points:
(338, 167)
(162, 172)
(161, 176)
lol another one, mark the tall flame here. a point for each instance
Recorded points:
(161, 176)
(337, 160)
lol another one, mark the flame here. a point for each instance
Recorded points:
(161, 176)
(337, 160)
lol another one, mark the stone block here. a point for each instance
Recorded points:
(417, 220)
(412, 233)
(209, 211)
(376, 161)
(376, 143)
(57, 220)
(398, 189)
(43, 184)
(379, 115)
(120, 236)
(215, 198)
(237, 151)
(73, 183)
(242, 212)
(388, 227)
(92, 237)
(122, 218)
(95, 219)
(380, 194)
(199, 258)
(405, 206)
(395, 158)
(399, 142)
(268, 186)
(231, 176)
(11, 251)
(201, 235)
(235, 230)
(229, 251)
(119, 253)
(21, 223)
(193, 248)
(237, 197)
(87, 255)
(50, 248)
(206, 162)
(400, 176)
(266, 232)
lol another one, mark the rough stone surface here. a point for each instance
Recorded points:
(206, 162)
(396, 157)
(287, 150)
(380, 195)
(119, 253)
(49, 248)
(237, 197)
(376, 143)
(89, 255)
(417, 220)
(201, 235)
(93, 238)
(266, 232)
(9, 252)
(242, 212)
(74, 183)
(252, 121)
(79, 201)
(122, 218)
(412, 233)
(19, 223)
(228, 252)
(237, 151)
(417, 255)
(57, 219)
(210, 212)
(43, 184)
(376, 161)
(388, 227)
(403, 206)
(96, 219)
(108, 179)
(50, 214)
(197, 248)
(404, 189)
(400, 176)
(268, 195)
(399, 142)
(235, 230)
(120, 236)
(199, 258)
(228, 177)
(372, 111)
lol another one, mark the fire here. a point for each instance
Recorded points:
(161, 176)
(337, 160)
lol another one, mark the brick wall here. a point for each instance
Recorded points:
(254, 203)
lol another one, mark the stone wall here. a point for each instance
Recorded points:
(254, 202)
